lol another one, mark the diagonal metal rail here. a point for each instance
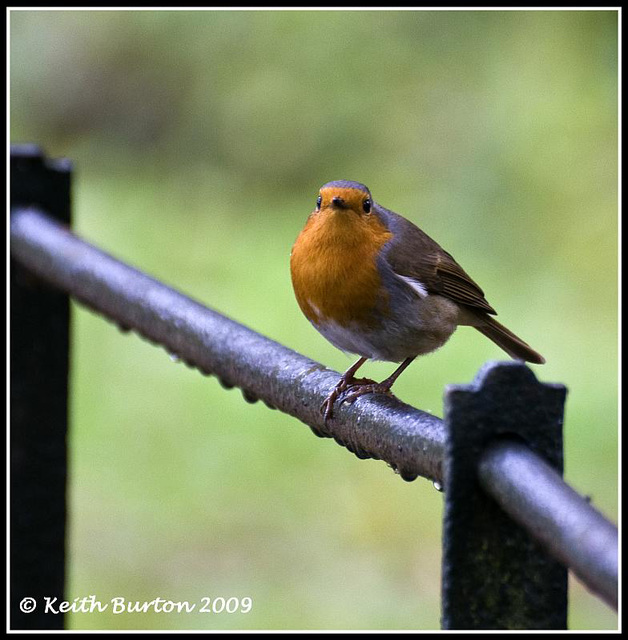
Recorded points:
(411, 441)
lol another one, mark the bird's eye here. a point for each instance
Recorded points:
(318, 202)
(366, 205)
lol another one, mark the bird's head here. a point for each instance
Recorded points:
(344, 196)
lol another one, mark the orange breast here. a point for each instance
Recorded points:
(334, 271)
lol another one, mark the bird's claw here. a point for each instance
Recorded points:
(348, 390)
(355, 391)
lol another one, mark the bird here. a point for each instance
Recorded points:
(375, 285)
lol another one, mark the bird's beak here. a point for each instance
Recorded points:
(338, 202)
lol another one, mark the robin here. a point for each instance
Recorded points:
(377, 286)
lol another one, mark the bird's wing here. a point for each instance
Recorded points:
(413, 254)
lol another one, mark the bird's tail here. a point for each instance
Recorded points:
(514, 346)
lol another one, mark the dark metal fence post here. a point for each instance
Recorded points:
(495, 576)
(39, 362)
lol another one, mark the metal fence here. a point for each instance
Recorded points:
(512, 526)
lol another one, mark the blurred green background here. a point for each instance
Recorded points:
(200, 140)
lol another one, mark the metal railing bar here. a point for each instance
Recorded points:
(411, 441)
(571, 530)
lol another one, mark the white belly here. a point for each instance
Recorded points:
(415, 329)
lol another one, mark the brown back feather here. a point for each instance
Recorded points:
(412, 253)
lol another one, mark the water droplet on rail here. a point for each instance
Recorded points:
(438, 486)
(249, 397)
(318, 433)
(174, 357)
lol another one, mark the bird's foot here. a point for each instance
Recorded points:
(339, 391)
(362, 389)
(348, 390)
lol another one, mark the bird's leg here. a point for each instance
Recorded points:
(358, 390)
(346, 380)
